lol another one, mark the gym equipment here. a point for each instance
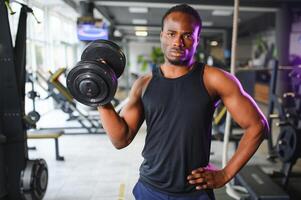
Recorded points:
(9, 7)
(32, 117)
(2, 166)
(12, 84)
(288, 106)
(32, 94)
(48, 134)
(34, 179)
(259, 185)
(11, 111)
(93, 81)
(66, 103)
(288, 144)
(230, 189)
(287, 147)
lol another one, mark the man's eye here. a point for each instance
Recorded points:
(170, 34)
(188, 36)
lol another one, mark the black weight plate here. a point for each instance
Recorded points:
(107, 51)
(287, 144)
(34, 116)
(100, 74)
(87, 71)
(34, 179)
(101, 89)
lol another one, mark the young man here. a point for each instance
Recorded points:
(177, 100)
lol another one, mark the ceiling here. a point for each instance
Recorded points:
(117, 13)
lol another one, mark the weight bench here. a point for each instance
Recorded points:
(48, 134)
(259, 185)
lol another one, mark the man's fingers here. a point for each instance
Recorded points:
(196, 173)
(205, 185)
(200, 178)
(201, 187)
(197, 181)
(201, 174)
(205, 180)
(202, 184)
(194, 176)
(201, 169)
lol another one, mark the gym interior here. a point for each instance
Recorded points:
(54, 147)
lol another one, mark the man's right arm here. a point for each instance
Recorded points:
(122, 129)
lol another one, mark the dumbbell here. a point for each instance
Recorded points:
(93, 80)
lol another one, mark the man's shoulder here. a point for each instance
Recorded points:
(142, 80)
(141, 83)
(212, 72)
(216, 79)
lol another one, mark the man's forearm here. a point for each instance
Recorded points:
(115, 126)
(248, 145)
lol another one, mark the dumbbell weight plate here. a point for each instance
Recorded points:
(107, 51)
(92, 83)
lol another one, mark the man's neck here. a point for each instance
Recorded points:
(174, 71)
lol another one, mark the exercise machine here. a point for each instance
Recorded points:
(286, 149)
(20, 177)
(32, 95)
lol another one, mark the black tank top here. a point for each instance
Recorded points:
(178, 114)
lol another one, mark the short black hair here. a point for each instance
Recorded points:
(184, 8)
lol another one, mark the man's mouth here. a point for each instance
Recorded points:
(177, 53)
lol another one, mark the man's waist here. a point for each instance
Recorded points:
(170, 189)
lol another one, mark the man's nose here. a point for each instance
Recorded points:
(178, 42)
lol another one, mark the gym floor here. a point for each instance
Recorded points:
(94, 170)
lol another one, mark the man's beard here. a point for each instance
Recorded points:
(179, 62)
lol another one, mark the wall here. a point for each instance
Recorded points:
(244, 50)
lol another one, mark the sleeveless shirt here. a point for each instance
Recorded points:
(178, 114)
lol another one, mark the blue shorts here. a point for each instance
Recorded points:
(142, 192)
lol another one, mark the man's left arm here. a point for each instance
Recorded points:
(246, 113)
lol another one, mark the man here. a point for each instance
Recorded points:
(177, 100)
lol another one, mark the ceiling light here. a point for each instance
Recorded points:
(207, 23)
(222, 12)
(138, 9)
(214, 43)
(141, 28)
(141, 33)
(139, 21)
